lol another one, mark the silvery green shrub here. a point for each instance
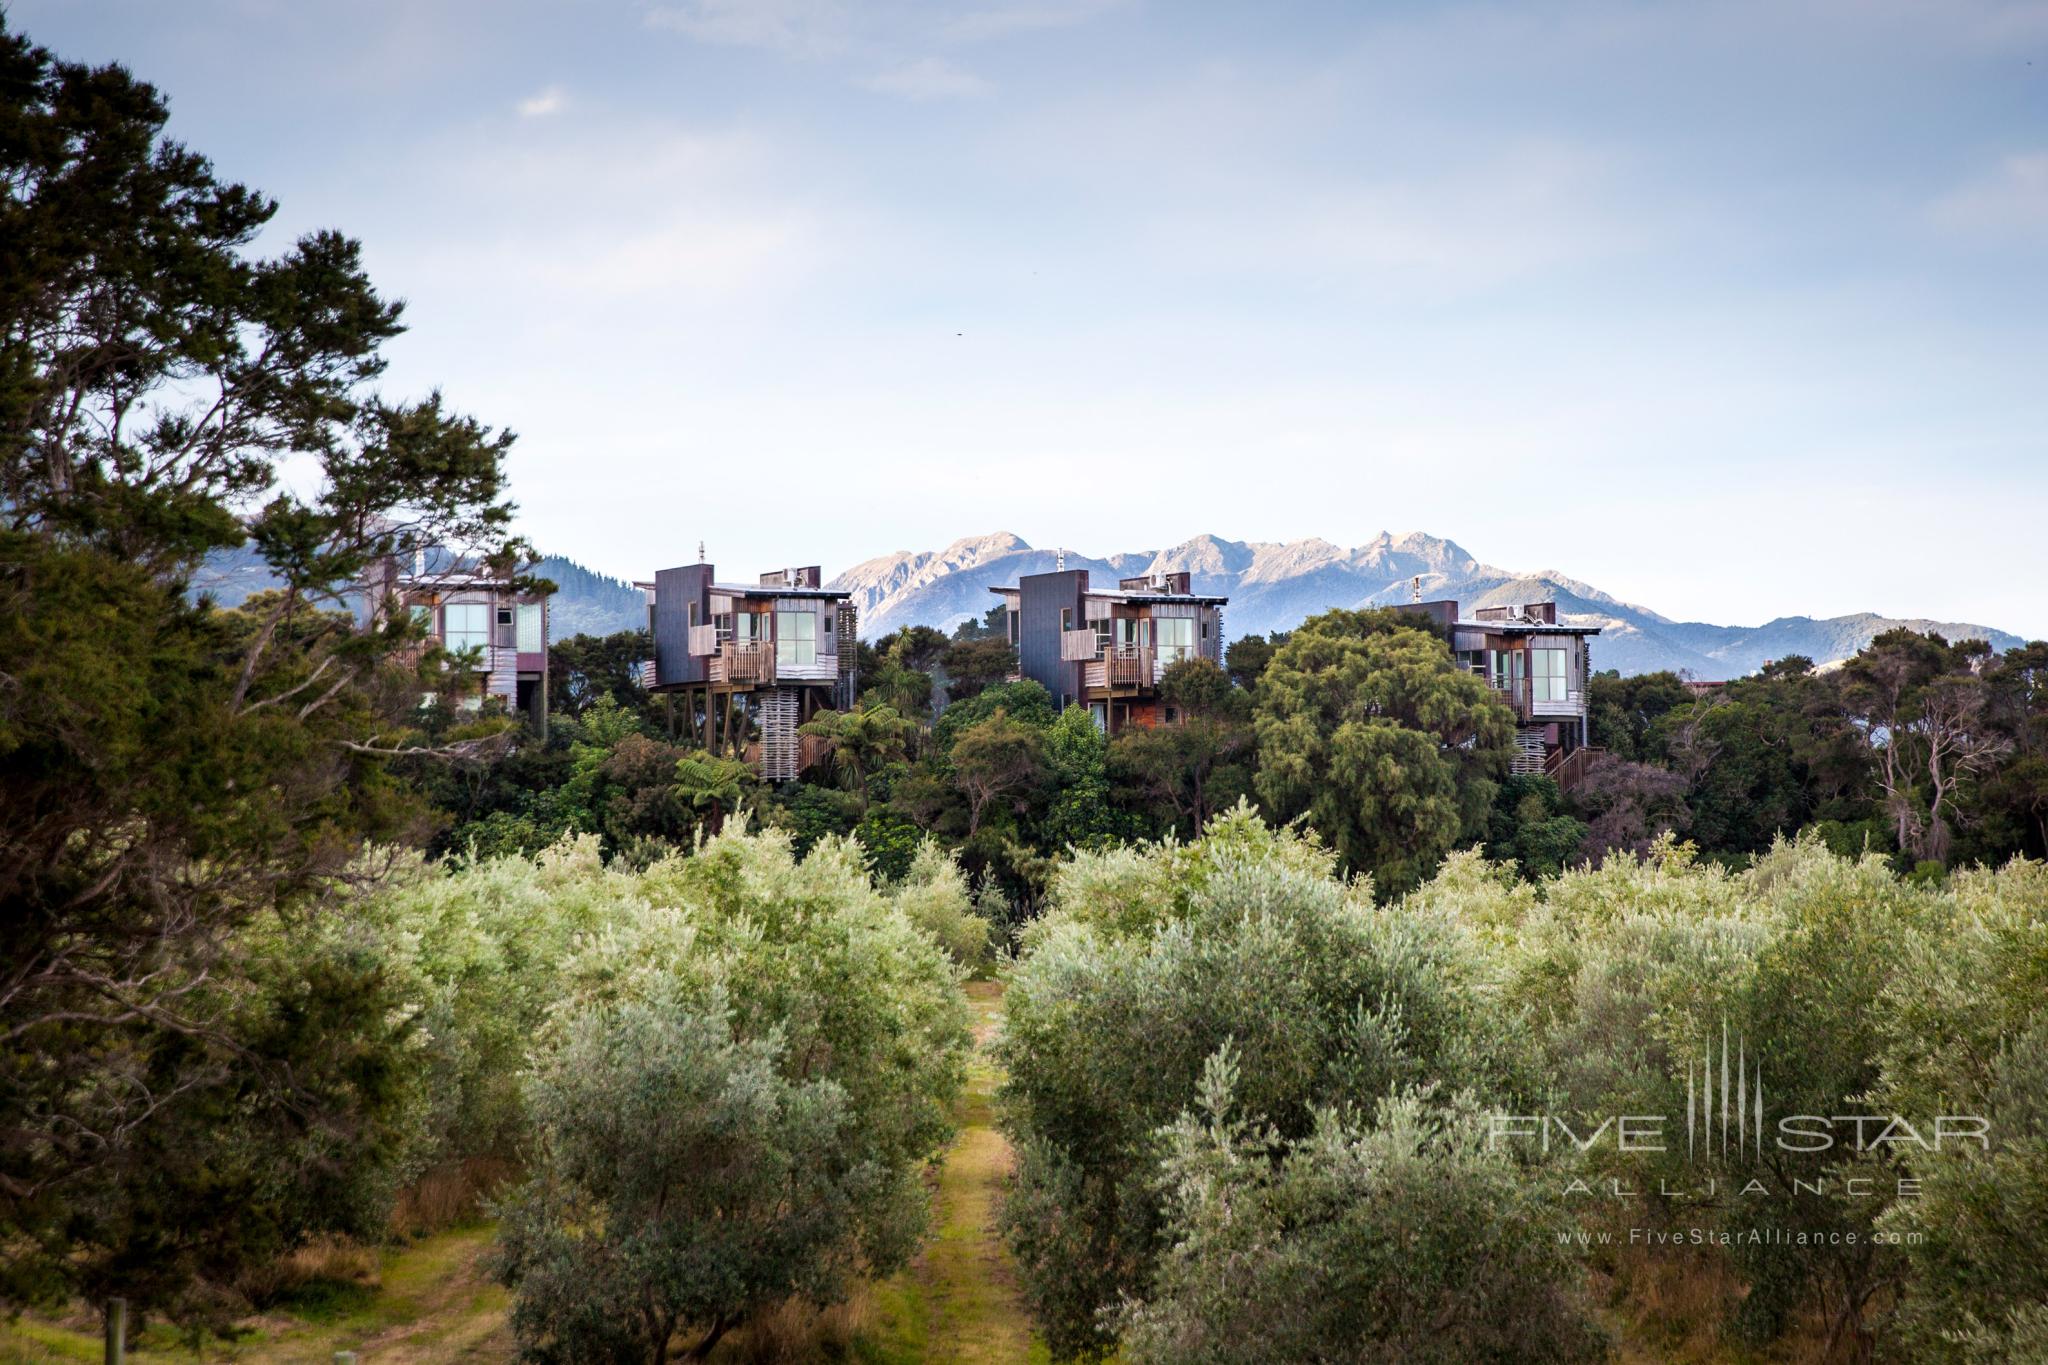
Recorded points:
(666, 1048)
(1402, 1240)
(1150, 961)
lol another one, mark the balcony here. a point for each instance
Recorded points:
(751, 663)
(1124, 666)
(1520, 694)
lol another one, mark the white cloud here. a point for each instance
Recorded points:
(794, 28)
(1002, 20)
(928, 79)
(2013, 200)
(552, 100)
(813, 29)
(589, 217)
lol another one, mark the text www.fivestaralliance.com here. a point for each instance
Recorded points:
(1723, 1237)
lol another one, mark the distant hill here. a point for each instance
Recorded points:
(585, 603)
(589, 603)
(1274, 586)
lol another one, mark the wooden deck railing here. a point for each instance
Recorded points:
(753, 662)
(1568, 769)
(1132, 666)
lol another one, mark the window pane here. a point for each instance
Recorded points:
(529, 628)
(467, 625)
(1176, 637)
(796, 638)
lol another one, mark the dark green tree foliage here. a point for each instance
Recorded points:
(1927, 708)
(977, 664)
(1025, 701)
(2010, 806)
(583, 668)
(173, 776)
(1369, 728)
(1079, 814)
(993, 624)
(1000, 765)
(1246, 657)
(1531, 828)
(897, 672)
(1183, 772)
(1621, 712)
(861, 742)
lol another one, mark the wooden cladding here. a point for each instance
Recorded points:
(1078, 646)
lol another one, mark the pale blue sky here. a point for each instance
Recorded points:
(1733, 309)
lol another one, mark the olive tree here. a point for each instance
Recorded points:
(1152, 959)
(748, 1063)
(1406, 1239)
(683, 1180)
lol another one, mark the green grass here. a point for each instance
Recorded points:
(958, 1301)
(432, 1303)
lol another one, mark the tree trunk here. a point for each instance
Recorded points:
(702, 1350)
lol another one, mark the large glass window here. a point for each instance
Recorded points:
(1547, 678)
(1507, 670)
(1176, 637)
(530, 641)
(465, 625)
(796, 638)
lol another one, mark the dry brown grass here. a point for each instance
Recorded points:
(450, 1195)
(794, 1332)
(1674, 1305)
(328, 1261)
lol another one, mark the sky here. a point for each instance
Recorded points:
(1734, 310)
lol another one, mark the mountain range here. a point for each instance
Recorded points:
(1273, 586)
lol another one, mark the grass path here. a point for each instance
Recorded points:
(432, 1303)
(958, 1301)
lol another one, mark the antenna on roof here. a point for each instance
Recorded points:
(1418, 587)
(1060, 565)
(700, 552)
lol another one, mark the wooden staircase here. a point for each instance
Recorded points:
(1568, 769)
